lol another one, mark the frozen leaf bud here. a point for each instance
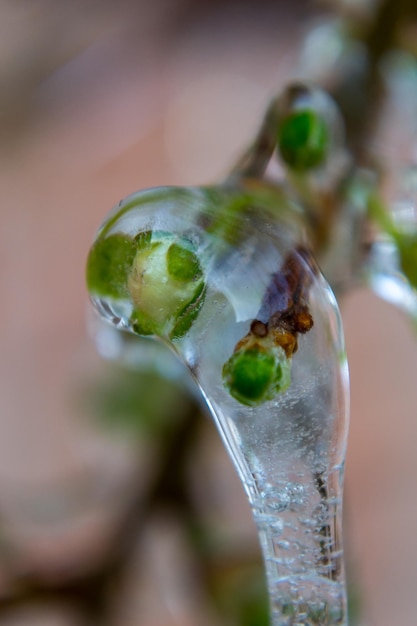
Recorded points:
(303, 140)
(310, 132)
(255, 374)
(165, 284)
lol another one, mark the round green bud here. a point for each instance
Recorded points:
(303, 140)
(254, 375)
(108, 266)
(165, 284)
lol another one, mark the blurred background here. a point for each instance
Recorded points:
(98, 99)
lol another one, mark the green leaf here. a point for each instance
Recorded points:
(143, 324)
(183, 263)
(405, 242)
(108, 265)
(407, 249)
(378, 212)
(187, 316)
(142, 240)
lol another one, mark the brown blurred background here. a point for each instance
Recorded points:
(99, 99)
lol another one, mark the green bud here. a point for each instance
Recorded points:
(303, 140)
(166, 285)
(108, 266)
(254, 375)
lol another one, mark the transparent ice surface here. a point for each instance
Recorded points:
(289, 451)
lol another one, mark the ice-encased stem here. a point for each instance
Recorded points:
(302, 550)
(299, 521)
(290, 454)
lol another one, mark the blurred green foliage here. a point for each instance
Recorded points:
(140, 403)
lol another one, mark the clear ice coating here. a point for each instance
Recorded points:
(209, 262)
